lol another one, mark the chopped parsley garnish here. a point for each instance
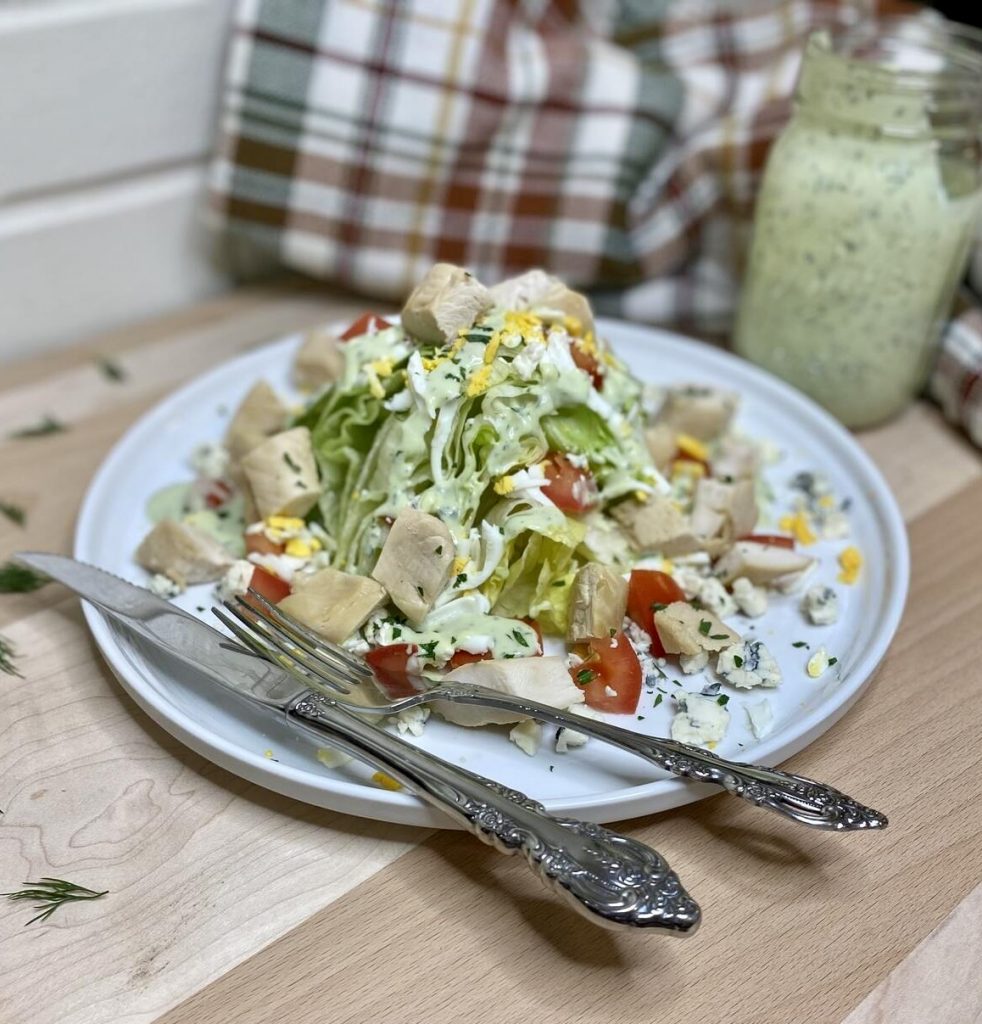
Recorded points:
(697, 604)
(49, 425)
(13, 512)
(396, 632)
(832, 661)
(559, 583)
(585, 675)
(720, 636)
(704, 627)
(419, 590)
(7, 658)
(723, 700)
(18, 579)
(519, 637)
(288, 459)
(429, 648)
(737, 660)
(200, 607)
(658, 700)
(111, 370)
(439, 549)
(658, 607)
(640, 718)
(799, 643)
(460, 580)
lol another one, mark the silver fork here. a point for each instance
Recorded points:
(281, 638)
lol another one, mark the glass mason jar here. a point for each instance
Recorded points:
(864, 220)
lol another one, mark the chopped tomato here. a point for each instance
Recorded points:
(216, 492)
(391, 667)
(260, 544)
(466, 658)
(538, 632)
(588, 363)
(779, 540)
(367, 323)
(269, 586)
(646, 589)
(609, 664)
(570, 488)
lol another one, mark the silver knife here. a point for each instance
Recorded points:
(610, 878)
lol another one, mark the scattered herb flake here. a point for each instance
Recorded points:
(51, 893)
(18, 579)
(720, 636)
(658, 700)
(396, 632)
(738, 661)
(49, 425)
(723, 699)
(200, 607)
(552, 767)
(288, 459)
(429, 648)
(640, 718)
(658, 606)
(13, 512)
(832, 661)
(696, 603)
(585, 675)
(419, 590)
(519, 637)
(7, 658)
(439, 549)
(704, 626)
(799, 643)
(111, 370)
(559, 583)
(460, 580)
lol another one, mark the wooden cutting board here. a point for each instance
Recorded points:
(229, 903)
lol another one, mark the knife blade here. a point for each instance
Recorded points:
(186, 638)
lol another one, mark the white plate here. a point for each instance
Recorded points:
(594, 782)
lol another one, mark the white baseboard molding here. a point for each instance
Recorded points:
(98, 258)
(92, 90)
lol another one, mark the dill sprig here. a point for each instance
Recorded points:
(13, 512)
(111, 370)
(51, 893)
(49, 425)
(19, 579)
(7, 658)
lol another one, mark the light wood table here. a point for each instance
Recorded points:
(229, 903)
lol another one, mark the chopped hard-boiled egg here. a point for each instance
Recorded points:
(851, 562)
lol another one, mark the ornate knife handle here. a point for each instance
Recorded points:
(794, 796)
(612, 879)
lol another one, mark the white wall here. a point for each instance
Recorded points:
(107, 114)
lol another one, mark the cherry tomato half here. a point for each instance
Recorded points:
(588, 363)
(609, 664)
(391, 667)
(570, 488)
(645, 589)
(267, 585)
(260, 544)
(367, 323)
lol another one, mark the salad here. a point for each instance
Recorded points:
(483, 492)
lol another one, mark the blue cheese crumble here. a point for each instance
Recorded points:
(747, 665)
(700, 720)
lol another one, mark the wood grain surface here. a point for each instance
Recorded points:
(229, 903)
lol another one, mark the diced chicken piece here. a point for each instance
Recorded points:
(760, 563)
(662, 445)
(446, 300)
(415, 562)
(332, 603)
(319, 360)
(748, 664)
(656, 526)
(545, 680)
(821, 605)
(545, 295)
(724, 511)
(260, 415)
(282, 474)
(700, 720)
(683, 629)
(597, 604)
(735, 460)
(701, 412)
(183, 553)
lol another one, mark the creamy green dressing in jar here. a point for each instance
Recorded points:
(863, 223)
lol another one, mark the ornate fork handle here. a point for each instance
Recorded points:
(612, 879)
(793, 796)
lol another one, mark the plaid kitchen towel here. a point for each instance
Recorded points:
(617, 143)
